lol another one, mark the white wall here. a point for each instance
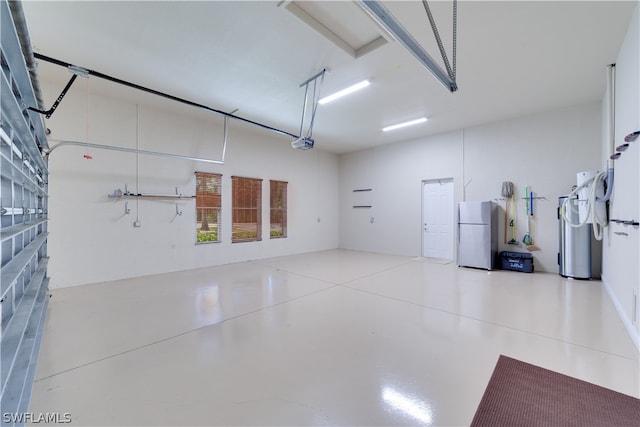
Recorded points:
(92, 240)
(620, 270)
(395, 174)
(544, 151)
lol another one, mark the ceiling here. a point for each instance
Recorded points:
(513, 58)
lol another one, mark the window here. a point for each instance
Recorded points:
(208, 186)
(247, 207)
(278, 214)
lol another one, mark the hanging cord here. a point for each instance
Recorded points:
(137, 149)
(86, 153)
(451, 71)
(318, 186)
(137, 163)
(455, 37)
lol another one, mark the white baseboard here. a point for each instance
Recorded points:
(633, 333)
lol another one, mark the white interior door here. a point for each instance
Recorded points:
(437, 219)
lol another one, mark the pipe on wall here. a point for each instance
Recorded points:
(611, 107)
(133, 150)
(610, 129)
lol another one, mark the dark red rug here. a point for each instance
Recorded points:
(520, 394)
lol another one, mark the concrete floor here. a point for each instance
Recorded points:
(329, 338)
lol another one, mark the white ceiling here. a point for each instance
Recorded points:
(514, 58)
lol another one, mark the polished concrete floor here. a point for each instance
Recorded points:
(328, 338)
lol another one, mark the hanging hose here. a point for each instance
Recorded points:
(607, 178)
(592, 201)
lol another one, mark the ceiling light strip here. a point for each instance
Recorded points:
(405, 124)
(385, 19)
(345, 91)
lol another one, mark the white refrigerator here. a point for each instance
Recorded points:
(477, 234)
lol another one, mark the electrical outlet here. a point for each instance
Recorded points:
(137, 223)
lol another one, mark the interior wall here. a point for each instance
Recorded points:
(621, 244)
(394, 173)
(92, 239)
(544, 151)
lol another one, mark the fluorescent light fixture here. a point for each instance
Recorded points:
(343, 92)
(405, 124)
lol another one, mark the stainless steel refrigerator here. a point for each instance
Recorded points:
(477, 234)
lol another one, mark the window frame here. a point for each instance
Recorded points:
(200, 198)
(281, 211)
(246, 203)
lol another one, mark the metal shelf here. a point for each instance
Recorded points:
(155, 196)
(631, 222)
(126, 194)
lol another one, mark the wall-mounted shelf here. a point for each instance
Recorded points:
(632, 136)
(497, 199)
(127, 195)
(157, 196)
(362, 198)
(119, 194)
(631, 222)
(620, 149)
